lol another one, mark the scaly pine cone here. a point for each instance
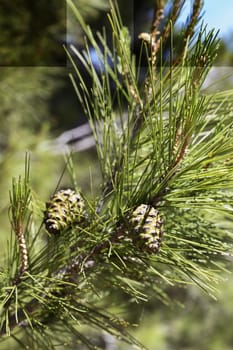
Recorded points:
(146, 228)
(65, 208)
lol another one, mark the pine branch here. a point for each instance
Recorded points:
(190, 28)
(20, 198)
(166, 162)
(173, 16)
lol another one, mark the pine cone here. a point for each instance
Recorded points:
(65, 208)
(146, 228)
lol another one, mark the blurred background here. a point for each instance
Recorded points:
(40, 113)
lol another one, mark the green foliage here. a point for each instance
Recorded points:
(167, 145)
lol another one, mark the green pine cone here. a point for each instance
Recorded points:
(64, 208)
(146, 228)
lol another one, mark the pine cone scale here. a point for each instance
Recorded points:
(146, 228)
(66, 207)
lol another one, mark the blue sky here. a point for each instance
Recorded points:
(218, 15)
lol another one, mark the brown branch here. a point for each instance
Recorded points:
(176, 10)
(155, 32)
(17, 226)
(190, 30)
(182, 151)
(197, 6)
(153, 39)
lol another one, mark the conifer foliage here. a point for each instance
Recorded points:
(162, 215)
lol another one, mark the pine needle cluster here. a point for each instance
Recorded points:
(163, 145)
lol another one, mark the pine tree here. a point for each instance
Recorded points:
(162, 216)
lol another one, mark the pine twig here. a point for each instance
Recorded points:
(190, 29)
(153, 39)
(176, 10)
(20, 198)
(23, 249)
(183, 141)
(155, 32)
(197, 6)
